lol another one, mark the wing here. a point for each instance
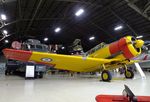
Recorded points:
(65, 62)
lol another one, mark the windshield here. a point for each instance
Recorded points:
(32, 46)
(38, 46)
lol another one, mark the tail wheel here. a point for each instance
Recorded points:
(106, 75)
(129, 74)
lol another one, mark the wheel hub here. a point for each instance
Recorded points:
(128, 74)
(105, 76)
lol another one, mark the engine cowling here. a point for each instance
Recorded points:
(125, 48)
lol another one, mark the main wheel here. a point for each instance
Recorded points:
(106, 75)
(41, 75)
(129, 74)
(6, 72)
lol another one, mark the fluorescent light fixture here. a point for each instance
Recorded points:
(6, 41)
(45, 39)
(3, 17)
(92, 38)
(5, 32)
(62, 47)
(118, 28)
(141, 36)
(79, 12)
(57, 29)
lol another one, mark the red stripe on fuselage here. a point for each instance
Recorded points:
(120, 45)
(17, 54)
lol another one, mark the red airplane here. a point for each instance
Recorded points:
(127, 96)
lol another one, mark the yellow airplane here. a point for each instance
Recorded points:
(100, 58)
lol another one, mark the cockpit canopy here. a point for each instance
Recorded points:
(35, 45)
(94, 49)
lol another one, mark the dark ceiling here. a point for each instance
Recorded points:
(38, 19)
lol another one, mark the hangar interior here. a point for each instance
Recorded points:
(73, 50)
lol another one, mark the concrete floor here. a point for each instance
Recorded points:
(66, 89)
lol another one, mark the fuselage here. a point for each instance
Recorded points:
(125, 48)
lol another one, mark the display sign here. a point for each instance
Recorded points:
(30, 71)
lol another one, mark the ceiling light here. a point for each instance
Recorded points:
(92, 38)
(118, 28)
(57, 29)
(6, 41)
(45, 39)
(62, 47)
(79, 12)
(141, 36)
(5, 32)
(3, 17)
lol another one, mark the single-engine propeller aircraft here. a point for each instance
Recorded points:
(100, 58)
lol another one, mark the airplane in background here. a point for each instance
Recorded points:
(144, 56)
(144, 59)
(103, 57)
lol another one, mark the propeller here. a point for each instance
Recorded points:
(137, 43)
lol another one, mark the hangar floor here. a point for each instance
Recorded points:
(65, 89)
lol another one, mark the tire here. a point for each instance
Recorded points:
(35, 75)
(129, 74)
(6, 72)
(106, 75)
(41, 75)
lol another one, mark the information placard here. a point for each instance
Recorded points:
(30, 71)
